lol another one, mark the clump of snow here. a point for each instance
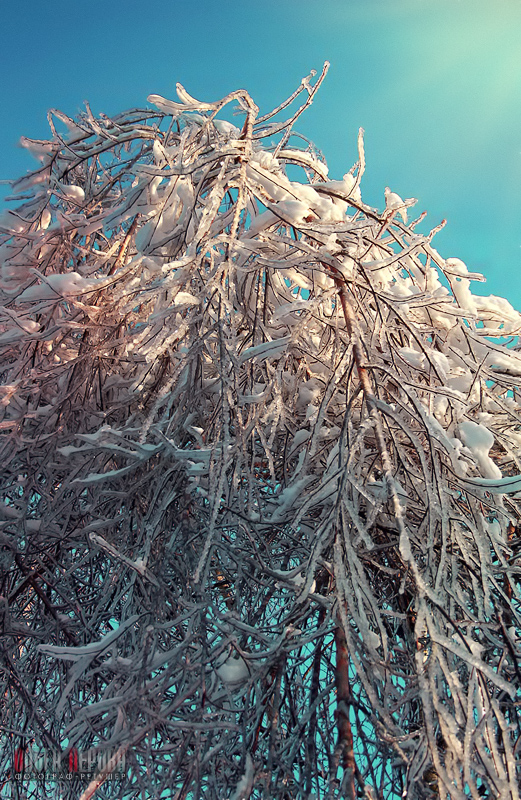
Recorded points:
(480, 440)
(394, 203)
(245, 785)
(347, 186)
(226, 128)
(414, 357)
(234, 670)
(71, 192)
(185, 299)
(55, 286)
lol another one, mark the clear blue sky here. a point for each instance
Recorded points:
(435, 83)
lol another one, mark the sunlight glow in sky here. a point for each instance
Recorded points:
(435, 83)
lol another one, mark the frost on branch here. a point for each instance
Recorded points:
(260, 463)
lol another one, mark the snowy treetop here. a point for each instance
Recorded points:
(204, 355)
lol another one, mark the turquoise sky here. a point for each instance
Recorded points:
(435, 83)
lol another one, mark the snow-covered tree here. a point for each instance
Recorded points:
(260, 464)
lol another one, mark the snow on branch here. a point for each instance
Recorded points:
(299, 432)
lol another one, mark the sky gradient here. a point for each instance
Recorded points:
(435, 83)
